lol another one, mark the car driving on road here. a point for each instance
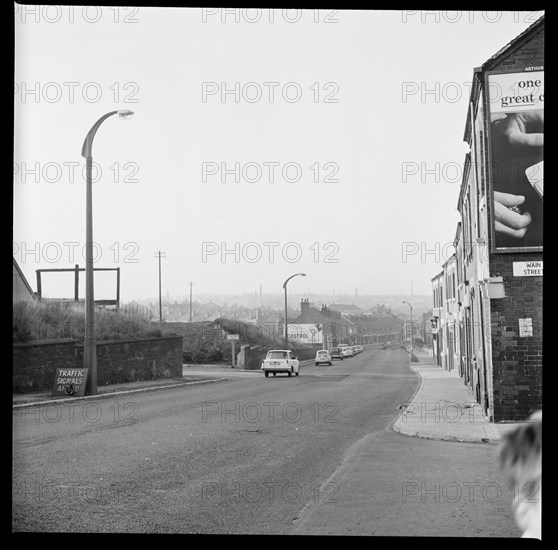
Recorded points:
(282, 361)
(323, 356)
(337, 353)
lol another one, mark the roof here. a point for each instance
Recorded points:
(312, 315)
(23, 278)
(339, 307)
(464, 180)
(519, 40)
(451, 259)
(458, 235)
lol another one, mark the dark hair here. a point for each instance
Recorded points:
(521, 448)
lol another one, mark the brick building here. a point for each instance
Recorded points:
(496, 340)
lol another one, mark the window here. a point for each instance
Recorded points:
(454, 285)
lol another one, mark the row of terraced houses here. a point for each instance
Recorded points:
(487, 299)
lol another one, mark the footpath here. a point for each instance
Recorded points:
(445, 408)
(375, 483)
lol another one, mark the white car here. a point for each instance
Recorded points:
(280, 360)
(323, 356)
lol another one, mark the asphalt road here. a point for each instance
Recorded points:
(248, 455)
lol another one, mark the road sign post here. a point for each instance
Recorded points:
(233, 339)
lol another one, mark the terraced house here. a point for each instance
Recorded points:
(487, 300)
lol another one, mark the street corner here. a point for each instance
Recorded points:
(445, 420)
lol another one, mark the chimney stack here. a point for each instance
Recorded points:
(304, 307)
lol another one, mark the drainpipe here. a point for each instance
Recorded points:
(485, 364)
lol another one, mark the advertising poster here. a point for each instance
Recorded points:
(516, 108)
(309, 333)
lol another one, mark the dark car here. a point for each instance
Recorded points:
(336, 353)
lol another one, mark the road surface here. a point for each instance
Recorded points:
(250, 455)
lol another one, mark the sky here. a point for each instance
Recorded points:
(263, 143)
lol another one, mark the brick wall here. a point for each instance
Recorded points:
(118, 361)
(517, 362)
(34, 364)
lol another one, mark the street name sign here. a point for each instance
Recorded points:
(528, 269)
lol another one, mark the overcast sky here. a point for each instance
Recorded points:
(352, 167)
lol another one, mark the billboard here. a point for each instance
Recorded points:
(516, 131)
(310, 333)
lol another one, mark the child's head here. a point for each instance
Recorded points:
(521, 451)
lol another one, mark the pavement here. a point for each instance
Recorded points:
(445, 408)
(192, 374)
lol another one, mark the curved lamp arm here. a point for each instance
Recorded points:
(86, 150)
(295, 275)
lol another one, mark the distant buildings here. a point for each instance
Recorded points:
(487, 299)
(345, 309)
(375, 327)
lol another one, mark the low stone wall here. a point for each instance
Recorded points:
(118, 361)
(34, 364)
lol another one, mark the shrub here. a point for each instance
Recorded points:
(40, 320)
(200, 356)
(215, 355)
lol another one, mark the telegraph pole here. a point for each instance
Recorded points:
(160, 255)
(190, 301)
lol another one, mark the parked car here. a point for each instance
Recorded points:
(323, 356)
(280, 360)
(347, 351)
(337, 353)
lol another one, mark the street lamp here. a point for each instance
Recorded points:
(286, 322)
(405, 302)
(89, 351)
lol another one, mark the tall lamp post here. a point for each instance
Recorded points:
(405, 302)
(286, 322)
(89, 351)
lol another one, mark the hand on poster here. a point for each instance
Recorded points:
(508, 220)
(523, 130)
(519, 140)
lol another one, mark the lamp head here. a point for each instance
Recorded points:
(125, 114)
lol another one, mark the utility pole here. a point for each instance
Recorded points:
(190, 301)
(160, 255)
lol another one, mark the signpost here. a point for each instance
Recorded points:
(233, 339)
